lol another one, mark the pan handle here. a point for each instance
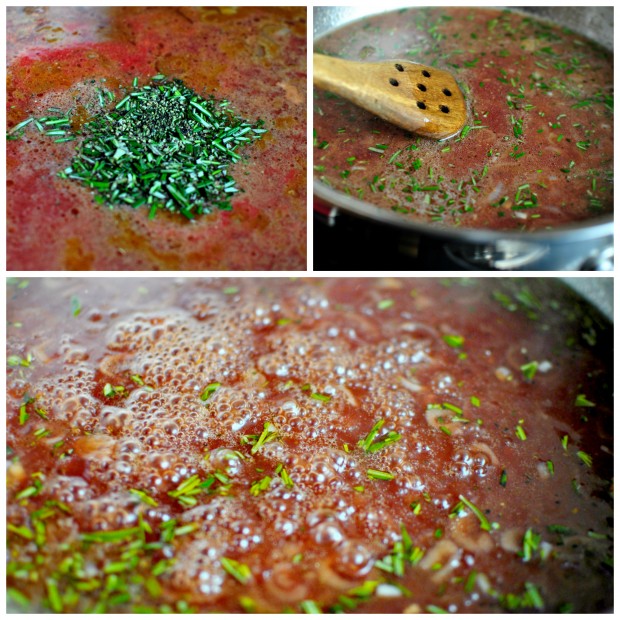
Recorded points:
(324, 212)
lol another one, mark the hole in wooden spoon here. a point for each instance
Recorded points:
(446, 92)
(399, 67)
(421, 105)
(393, 82)
(444, 108)
(425, 73)
(422, 87)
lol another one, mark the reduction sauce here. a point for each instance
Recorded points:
(269, 445)
(537, 149)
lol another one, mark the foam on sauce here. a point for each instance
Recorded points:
(194, 444)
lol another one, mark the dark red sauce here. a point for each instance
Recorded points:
(208, 445)
(537, 149)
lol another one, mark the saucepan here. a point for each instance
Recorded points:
(581, 245)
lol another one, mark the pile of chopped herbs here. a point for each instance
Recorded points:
(162, 146)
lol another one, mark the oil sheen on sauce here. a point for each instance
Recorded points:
(270, 445)
(536, 151)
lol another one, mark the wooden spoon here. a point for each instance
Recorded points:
(421, 99)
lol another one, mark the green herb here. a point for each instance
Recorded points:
(531, 544)
(161, 146)
(15, 360)
(21, 125)
(454, 341)
(110, 391)
(186, 492)
(529, 370)
(248, 604)
(241, 572)
(53, 595)
(325, 398)
(565, 442)
(582, 401)
(288, 481)
(534, 596)
(434, 609)
(310, 607)
(21, 530)
(520, 432)
(384, 304)
(550, 467)
(18, 597)
(209, 390)
(586, 458)
(259, 486)
(111, 535)
(76, 306)
(270, 433)
(144, 497)
(475, 401)
(368, 444)
(375, 474)
(503, 478)
(470, 582)
(484, 522)
(23, 413)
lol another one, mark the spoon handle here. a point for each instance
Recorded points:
(421, 99)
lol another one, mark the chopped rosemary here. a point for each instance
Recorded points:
(484, 522)
(375, 474)
(453, 340)
(209, 390)
(368, 444)
(529, 370)
(162, 146)
(270, 432)
(582, 401)
(241, 572)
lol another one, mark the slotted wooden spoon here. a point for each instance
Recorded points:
(421, 99)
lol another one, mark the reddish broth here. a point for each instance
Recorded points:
(537, 150)
(254, 57)
(194, 444)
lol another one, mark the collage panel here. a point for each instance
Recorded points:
(156, 138)
(463, 138)
(309, 445)
(286, 424)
